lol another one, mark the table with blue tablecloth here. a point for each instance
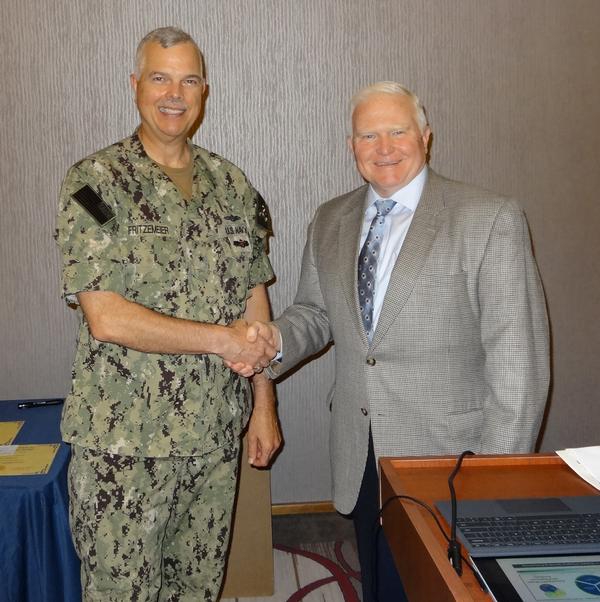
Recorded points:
(38, 562)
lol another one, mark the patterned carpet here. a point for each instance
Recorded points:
(315, 572)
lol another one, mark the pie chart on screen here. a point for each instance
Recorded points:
(590, 584)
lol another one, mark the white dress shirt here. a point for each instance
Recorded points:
(397, 223)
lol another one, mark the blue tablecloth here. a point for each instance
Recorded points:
(37, 560)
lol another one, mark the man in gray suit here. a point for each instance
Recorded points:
(441, 336)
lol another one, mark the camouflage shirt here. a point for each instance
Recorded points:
(124, 227)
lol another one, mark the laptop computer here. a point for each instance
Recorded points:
(527, 527)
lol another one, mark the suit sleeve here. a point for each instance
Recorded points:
(304, 325)
(514, 333)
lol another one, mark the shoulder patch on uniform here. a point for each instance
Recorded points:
(263, 217)
(93, 203)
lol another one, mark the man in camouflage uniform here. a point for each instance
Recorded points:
(164, 252)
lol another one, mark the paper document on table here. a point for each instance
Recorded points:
(18, 460)
(585, 461)
(9, 430)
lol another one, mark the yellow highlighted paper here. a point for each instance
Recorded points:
(17, 460)
(9, 430)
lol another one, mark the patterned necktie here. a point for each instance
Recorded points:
(367, 264)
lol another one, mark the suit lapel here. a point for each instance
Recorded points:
(411, 259)
(348, 243)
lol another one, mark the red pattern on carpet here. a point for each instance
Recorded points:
(340, 573)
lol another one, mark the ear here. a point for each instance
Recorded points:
(425, 137)
(350, 143)
(133, 82)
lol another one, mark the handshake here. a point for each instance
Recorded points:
(250, 346)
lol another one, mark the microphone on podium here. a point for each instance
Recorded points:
(454, 547)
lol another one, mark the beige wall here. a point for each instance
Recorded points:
(511, 88)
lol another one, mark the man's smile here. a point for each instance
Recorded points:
(387, 163)
(172, 110)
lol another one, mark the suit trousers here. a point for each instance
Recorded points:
(380, 579)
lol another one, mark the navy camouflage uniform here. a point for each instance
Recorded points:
(156, 436)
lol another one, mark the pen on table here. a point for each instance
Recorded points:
(40, 403)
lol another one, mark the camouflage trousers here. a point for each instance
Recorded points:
(152, 529)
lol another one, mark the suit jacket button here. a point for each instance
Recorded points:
(371, 361)
(364, 411)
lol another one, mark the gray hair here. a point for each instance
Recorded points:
(388, 87)
(166, 37)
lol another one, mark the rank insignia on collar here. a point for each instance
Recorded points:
(93, 203)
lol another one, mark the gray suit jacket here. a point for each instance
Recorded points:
(459, 359)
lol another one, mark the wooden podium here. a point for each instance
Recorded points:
(418, 547)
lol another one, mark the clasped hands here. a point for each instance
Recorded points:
(252, 346)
